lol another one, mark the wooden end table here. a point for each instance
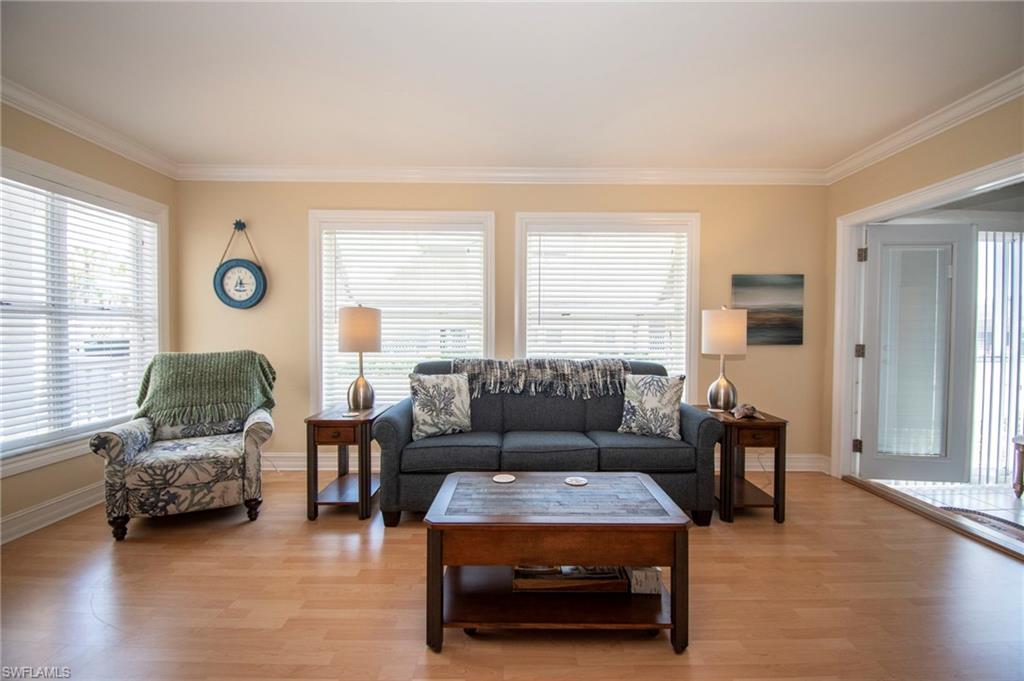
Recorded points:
(338, 426)
(734, 490)
(480, 529)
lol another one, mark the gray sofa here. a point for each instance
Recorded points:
(539, 433)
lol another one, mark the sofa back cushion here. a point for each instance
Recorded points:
(537, 412)
(503, 413)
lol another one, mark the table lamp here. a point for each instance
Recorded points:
(359, 331)
(723, 332)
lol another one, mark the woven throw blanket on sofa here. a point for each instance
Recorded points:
(551, 377)
(205, 387)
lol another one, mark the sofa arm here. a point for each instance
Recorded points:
(699, 428)
(392, 431)
(257, 430)
(123, 442)
(119, 446)
(703, 431)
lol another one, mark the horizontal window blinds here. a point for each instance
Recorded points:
(78, 314)
(430, 283)
(595, 293)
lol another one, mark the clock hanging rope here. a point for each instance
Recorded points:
(238, 282)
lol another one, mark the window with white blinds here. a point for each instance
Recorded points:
(79, 316)
(608, 285)
(428, 273)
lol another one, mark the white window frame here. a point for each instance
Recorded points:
(31, 171)
(322, 220)
(687, 223)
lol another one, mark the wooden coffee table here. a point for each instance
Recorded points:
(480, 529)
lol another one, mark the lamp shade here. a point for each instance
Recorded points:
(723, 332)
(358, 329)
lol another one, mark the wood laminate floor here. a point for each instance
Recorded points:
(850, 587)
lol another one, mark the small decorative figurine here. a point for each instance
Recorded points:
(745, 411)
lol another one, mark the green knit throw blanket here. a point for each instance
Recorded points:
(182, 388)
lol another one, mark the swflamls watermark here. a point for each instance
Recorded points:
(27, 672)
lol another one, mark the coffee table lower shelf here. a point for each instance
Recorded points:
(482, 596)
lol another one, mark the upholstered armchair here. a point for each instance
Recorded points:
(200, 467)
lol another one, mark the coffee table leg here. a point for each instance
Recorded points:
(435, 590)
(680, 594)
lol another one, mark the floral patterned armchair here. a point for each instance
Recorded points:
(200, 467)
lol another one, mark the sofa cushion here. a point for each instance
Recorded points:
(450, 453)
(440, 405)
(194, 460)
(642, 453)
(652, 406)
(605, 412)
(484, 411)
(550, 450)
(540, 412)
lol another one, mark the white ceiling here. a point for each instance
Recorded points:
(756, 86)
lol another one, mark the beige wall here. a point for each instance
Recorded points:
(990, 137)
(29, 135)
(743, 229)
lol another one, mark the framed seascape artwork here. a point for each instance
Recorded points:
(774, 305)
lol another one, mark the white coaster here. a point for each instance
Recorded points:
(504, 478)
(575, 481)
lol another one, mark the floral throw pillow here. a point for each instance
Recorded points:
(440, 404)
(651, 405)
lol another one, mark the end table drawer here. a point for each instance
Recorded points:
(758, 438)
(337, 435)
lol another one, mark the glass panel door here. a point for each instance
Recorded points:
(918, 334)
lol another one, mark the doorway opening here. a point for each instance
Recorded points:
(940, 365)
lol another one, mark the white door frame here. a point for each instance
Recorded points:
(846, 326)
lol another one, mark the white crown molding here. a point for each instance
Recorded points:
(978, 102)
(501, 175)
(33, 518)
(23, 99)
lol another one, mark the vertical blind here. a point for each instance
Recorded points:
(78, 314)
(591, 293)
(999, 355)
(430, 283)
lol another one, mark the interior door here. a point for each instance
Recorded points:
(918, 336)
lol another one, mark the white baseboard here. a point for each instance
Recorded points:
(296, 461)
(33, 518)
(756, 461)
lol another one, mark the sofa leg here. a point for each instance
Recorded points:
(120, 526)
(391, 518)
(702, 518)
(253, 508)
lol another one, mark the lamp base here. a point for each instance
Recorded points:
(722, 394)
(360, 394)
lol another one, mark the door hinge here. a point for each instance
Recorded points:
(858, 445)
(862, 254)
(858, 350)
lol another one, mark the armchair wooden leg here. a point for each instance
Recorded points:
(391, 518)
(120, 526)
(253, 508)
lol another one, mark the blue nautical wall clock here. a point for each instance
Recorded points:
(240, 283)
